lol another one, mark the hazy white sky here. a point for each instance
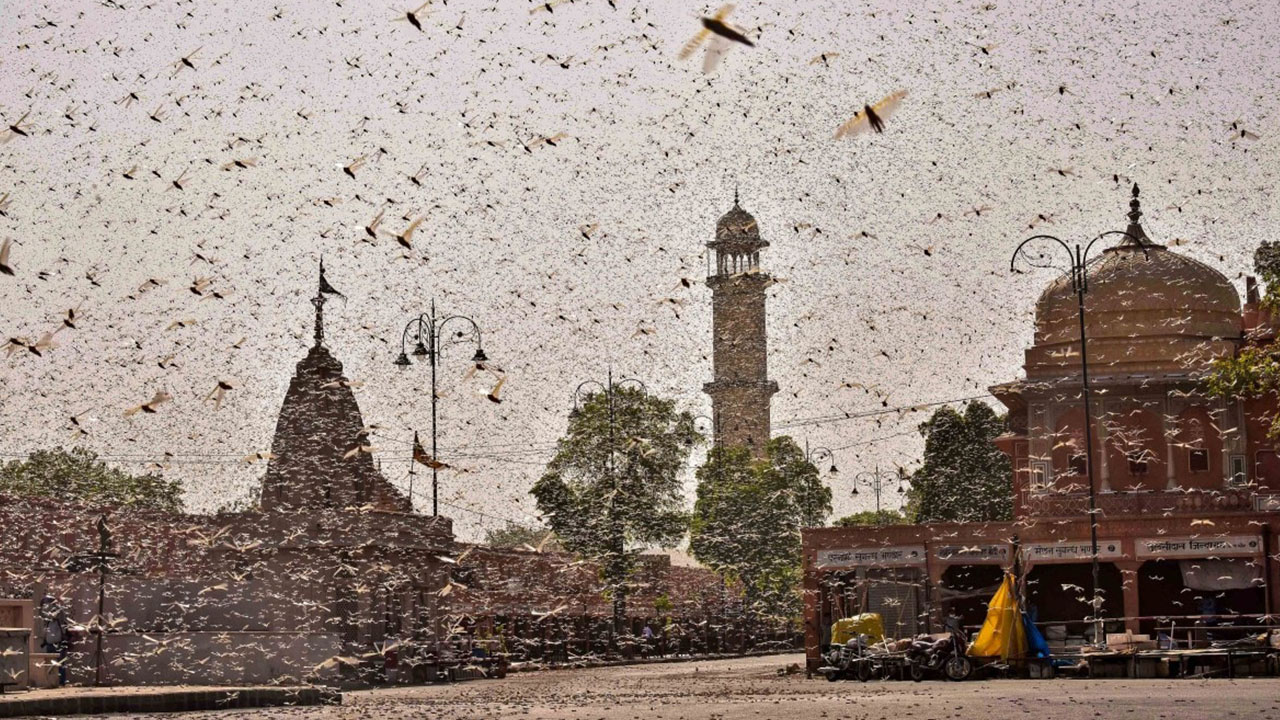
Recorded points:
(652, 152)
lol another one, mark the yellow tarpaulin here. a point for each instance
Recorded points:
(869, 624)
(1002, 635)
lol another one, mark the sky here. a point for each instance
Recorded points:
(570, 255)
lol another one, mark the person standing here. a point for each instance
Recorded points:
(55, 633)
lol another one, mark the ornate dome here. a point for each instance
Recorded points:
(739, 227)
(1148, 310)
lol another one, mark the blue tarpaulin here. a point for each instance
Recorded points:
(1036, 646)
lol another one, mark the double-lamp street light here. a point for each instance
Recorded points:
(878, 482)
(617, 539)
(1078, 272)
(430, 341)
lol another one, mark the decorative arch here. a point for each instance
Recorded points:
(1136, 448)
(1197, 451)
(1070, 469)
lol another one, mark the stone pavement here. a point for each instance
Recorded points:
(177, 698)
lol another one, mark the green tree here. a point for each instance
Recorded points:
(1255, 370)
(614, 486)
(515, 535)
(79, 476)
(747, 520)
(868, 518)
(964, 477)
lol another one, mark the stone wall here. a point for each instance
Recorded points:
(207, 658)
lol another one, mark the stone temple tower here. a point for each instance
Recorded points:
(741, 391)
(314, 467)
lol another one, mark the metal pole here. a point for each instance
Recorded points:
(876, 487)
(102, 584)
(435, 457)
(1079, 270)
(412, 462)
(618, 543)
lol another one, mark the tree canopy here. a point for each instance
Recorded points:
(964, 476)
(1255, 370)
(614, 485)
(515, 535)
(747, 520)
(867, 518)
(79, 476)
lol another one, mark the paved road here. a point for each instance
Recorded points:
(752, 689)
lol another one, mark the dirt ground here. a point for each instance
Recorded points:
(752, 688)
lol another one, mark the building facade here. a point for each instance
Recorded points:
(741, 391)
(1186, 483)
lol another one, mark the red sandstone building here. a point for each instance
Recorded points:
(1186, 483)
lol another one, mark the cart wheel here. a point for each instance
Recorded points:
(958, 668)
(863, 673)
(916, 671)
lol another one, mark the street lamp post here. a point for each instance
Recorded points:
(618, 539)
(715, 432)
(1080, 285)
(877, 481)
(101, 561)
(428, 332)
(819, 454)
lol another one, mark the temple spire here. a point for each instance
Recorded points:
(1137, 235)
(324, 289)
(318, 301)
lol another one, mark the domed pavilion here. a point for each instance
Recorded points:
(1155, 321)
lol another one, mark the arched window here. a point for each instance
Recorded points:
(1069, 454)
(1195, 439)
(1135, 449)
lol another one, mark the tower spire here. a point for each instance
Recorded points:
(318, 301)
(1137, 235)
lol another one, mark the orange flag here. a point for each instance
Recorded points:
(420, 455)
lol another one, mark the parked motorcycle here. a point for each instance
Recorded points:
(944, 657)
(852, 659)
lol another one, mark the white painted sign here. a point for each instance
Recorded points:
(974, 553)
(856, 557)
(1048, 552)
(1198, 547)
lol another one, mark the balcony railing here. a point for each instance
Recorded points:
(1155, 502)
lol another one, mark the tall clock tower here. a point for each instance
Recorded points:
(741, 391)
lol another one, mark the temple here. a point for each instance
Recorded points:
(320, 444)
(334, 564)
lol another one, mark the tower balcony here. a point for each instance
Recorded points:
(717, 386)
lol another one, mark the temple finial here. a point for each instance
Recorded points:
(318, 301)
(735, 194)
(1136, 234)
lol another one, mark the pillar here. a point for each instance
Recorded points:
(1129, 584)
(1271, 568)
(1171, 482)
(812, 600)
(935, 569)
(1100, 450)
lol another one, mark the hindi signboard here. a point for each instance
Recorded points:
(975, 553)
(857, 557)
(1198, 547)
(1050, 552)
